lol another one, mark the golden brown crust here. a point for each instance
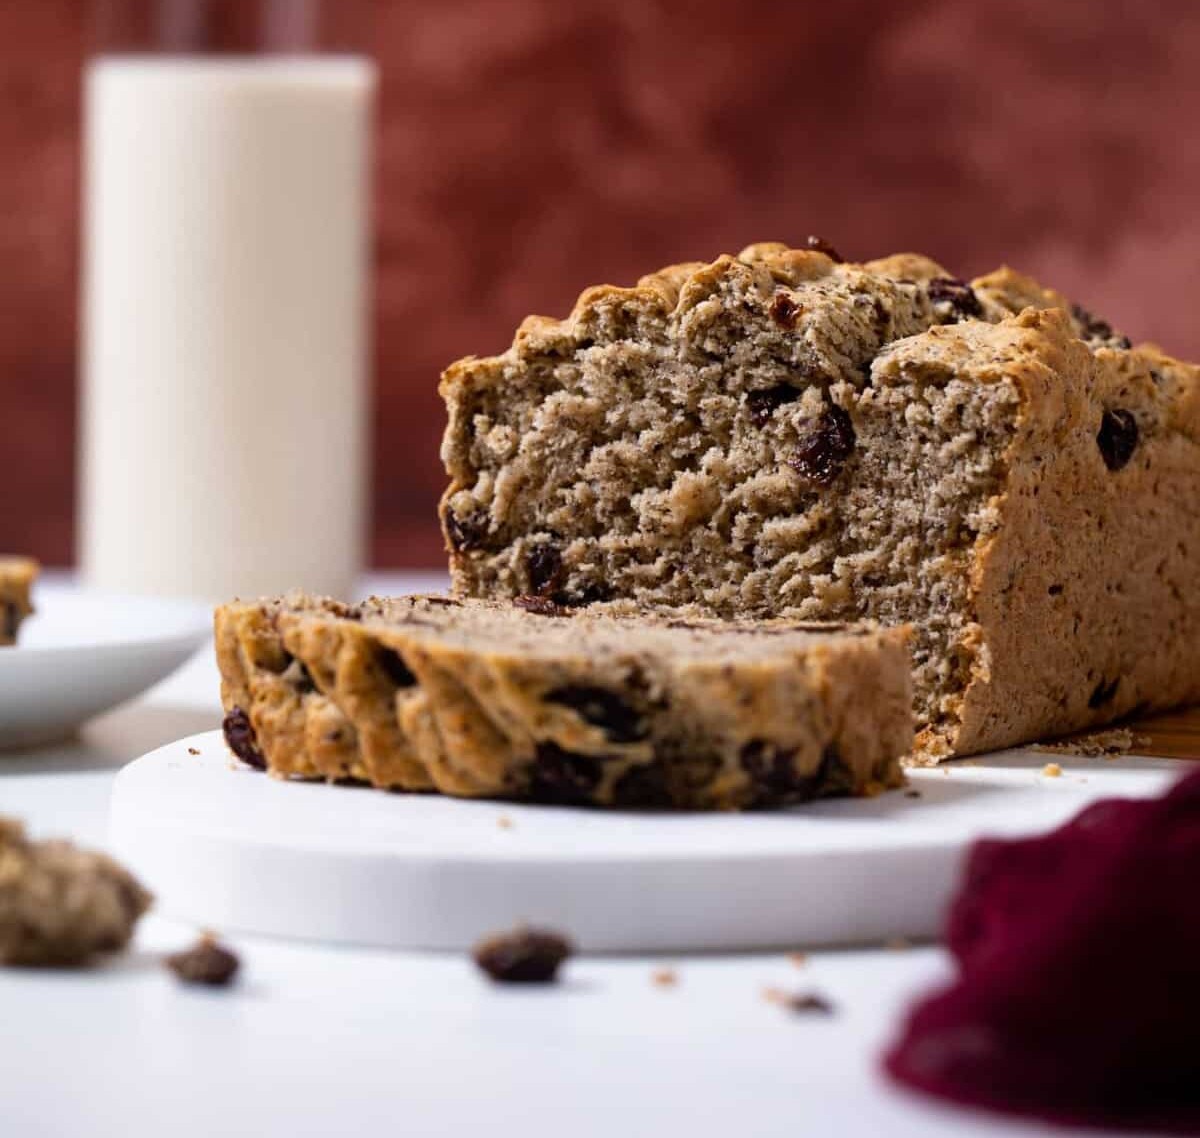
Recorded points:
(605, 708)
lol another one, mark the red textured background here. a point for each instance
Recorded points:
(531, 147)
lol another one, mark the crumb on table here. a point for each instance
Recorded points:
(1052, 770)
(664, 978)
(523, 956)
(207, 962)
(800, 1002)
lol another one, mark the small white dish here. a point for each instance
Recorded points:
(82, 653)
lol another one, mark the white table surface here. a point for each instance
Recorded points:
(325, 1041)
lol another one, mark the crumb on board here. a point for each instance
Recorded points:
(193, 751)
(912, 792)
(800, 1002)
(504, 822)
(664, 977)
(1096, 744)
(799, 959)
(1052, 770)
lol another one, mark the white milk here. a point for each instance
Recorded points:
(224, 400)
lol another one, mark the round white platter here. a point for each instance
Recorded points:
(229, 848)
(82, 653)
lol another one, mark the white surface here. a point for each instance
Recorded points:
(83, 653)
(224, 345)
(221, 845)
(320, 1041)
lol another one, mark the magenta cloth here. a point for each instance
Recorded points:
(1078, 994)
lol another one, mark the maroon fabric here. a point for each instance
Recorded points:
(1077, 998)
(529, 148)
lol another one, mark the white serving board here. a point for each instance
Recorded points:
(232, 849)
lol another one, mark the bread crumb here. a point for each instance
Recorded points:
(207, 962)
(1052, 770)
(912, 793)
(802, 1002)
(504, 822)
(193, 751)
(664, 978)
(799, 959)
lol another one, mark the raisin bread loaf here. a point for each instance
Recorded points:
(780, 433)
(17, 575)
(536, 701)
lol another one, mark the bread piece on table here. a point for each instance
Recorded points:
(779, 433)
(17, 575)
(62, 906)
(534, 701)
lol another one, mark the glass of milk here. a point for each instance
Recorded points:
(225, 338)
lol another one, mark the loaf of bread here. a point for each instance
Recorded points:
(17, 575)
(535, 701)
(783, 434)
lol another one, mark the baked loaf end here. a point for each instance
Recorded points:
(535, 701)
(17, 575)
(781, 433)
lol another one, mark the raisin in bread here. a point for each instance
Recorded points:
(539, 702)
(17, 575)
(782, 433)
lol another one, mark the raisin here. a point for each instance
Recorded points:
(466, 533)
(820, 245)
(588, 593)
(542, 606)
(643, 787)
(206, 962)
(774, 778)
(959, 295)
(769, 769)
(524, 956)
(1117, 438)
(239, 734)
(784, 311)
(396, 669)
(825, 444)
(11, 621)
(1095, 328)
(562, 777)
(545, 568)
(1103, 693)
(604, 709)
(882, 318)
(763, 404)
